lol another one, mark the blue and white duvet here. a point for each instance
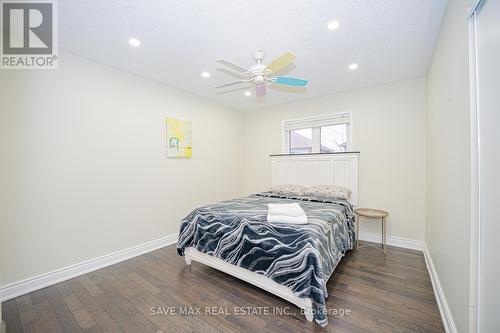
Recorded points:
(301, 257)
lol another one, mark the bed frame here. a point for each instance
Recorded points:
(313, 169)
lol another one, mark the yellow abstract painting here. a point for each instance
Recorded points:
(179, 138)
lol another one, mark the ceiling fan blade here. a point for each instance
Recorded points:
(288, 89)
(238, 88)
(281, 62)
(260, 90)
(236, 75)
(232, 65)
(230, 84)
(290, 81)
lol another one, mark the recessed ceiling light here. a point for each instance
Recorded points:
(333, 25)
(353, 67)
(248, 93)
(205, 74)
(134, 42)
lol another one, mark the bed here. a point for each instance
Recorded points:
(293, 262)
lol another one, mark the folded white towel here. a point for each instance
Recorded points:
(286, 213)
(287, 219)
(292, 209)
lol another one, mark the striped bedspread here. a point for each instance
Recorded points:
(301, 257)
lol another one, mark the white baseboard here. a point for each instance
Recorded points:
(44, 280)
(444, 310)
(393, 240)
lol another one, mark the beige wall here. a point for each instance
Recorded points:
(448, 161)
(389, 130)
(84, 169)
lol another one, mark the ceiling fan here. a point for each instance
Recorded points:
(261, 74)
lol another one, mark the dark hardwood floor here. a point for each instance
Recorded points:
(377, 293)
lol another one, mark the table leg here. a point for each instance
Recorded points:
(382, 233)
(357, 231)
(384, 228)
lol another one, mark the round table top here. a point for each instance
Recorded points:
(369, 212)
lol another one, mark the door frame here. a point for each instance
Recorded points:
(475, 204)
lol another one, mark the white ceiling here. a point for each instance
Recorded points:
(390, 40)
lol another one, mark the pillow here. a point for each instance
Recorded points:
(328, 191)
(288, 189)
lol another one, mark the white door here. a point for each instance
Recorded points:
(487, 37)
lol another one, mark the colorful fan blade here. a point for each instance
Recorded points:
(229, 84)
(290, 81)
(260, 90)
(281, 62)
(232, 65)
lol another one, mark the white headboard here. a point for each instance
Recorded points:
(317, 169)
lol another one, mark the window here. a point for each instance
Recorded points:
(301, 141)
(333, 138)
(324, 134)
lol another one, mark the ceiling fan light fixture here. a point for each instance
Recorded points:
(260, 75)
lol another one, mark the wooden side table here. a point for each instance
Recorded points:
(374, 214)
